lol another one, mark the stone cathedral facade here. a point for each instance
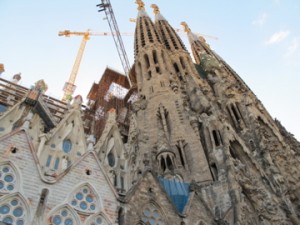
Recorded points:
(188, 144)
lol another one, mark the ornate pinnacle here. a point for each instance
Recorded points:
(155, 9)
(186, 27)
(141, 4)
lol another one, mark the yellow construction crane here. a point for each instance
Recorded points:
(70, 86)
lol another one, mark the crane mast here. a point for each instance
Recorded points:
(70, 86)
(107, 8)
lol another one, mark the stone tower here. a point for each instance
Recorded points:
(188, 144)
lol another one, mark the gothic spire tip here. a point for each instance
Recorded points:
(155, 9)
(141, 5)
(186, 27)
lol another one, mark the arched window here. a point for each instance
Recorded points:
(8, 178)
(48, 160)
(96, 220)
(84, 199)
(152, 216)
(111, 159)
(56, 165)
(67, 145)
(13, 210)
(63, 216)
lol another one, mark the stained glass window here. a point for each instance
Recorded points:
(67, 146)
(12, 211)
(152, 215)
(8, 181)
(83, 199)
(96, 220)
(62, 217)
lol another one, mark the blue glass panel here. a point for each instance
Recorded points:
(92, 207)
(2, 108)
(67, 146)
(4, 209)
(89, 198)
(20, 222)
(83, 205)
(56, 220)
(5, 169)
(8, 220)
(147, 212)
(18, 212)
(10, 187)
(14, 202)
(69, 221)
(74, 202)
(64, 213)
(99, 220)
(79, 196)
(8, 178)
(56, 164)
(48, 160)
(85, 191)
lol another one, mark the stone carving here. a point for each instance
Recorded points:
(198, 102)
(140, 104)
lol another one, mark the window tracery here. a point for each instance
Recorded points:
(13, 210)
(84, 199)
(8, 178)
(96, 220)
(63, 216)
(152, 216)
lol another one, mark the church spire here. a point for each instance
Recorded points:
(168, 35)
(198, 44)
(145, 33)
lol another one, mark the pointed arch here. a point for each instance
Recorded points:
(85, 199)
(99, 218)
(10, 178)
(14, 209)
(63, 214)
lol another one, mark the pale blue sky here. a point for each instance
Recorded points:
(260, 39)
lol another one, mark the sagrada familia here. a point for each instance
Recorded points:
(188, 144)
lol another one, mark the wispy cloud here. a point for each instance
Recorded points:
(293, 47)
(277, 37)
(260, 20)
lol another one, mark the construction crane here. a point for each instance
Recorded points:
(70, 86)
(107, 8)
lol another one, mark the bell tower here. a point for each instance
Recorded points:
(167, 142)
